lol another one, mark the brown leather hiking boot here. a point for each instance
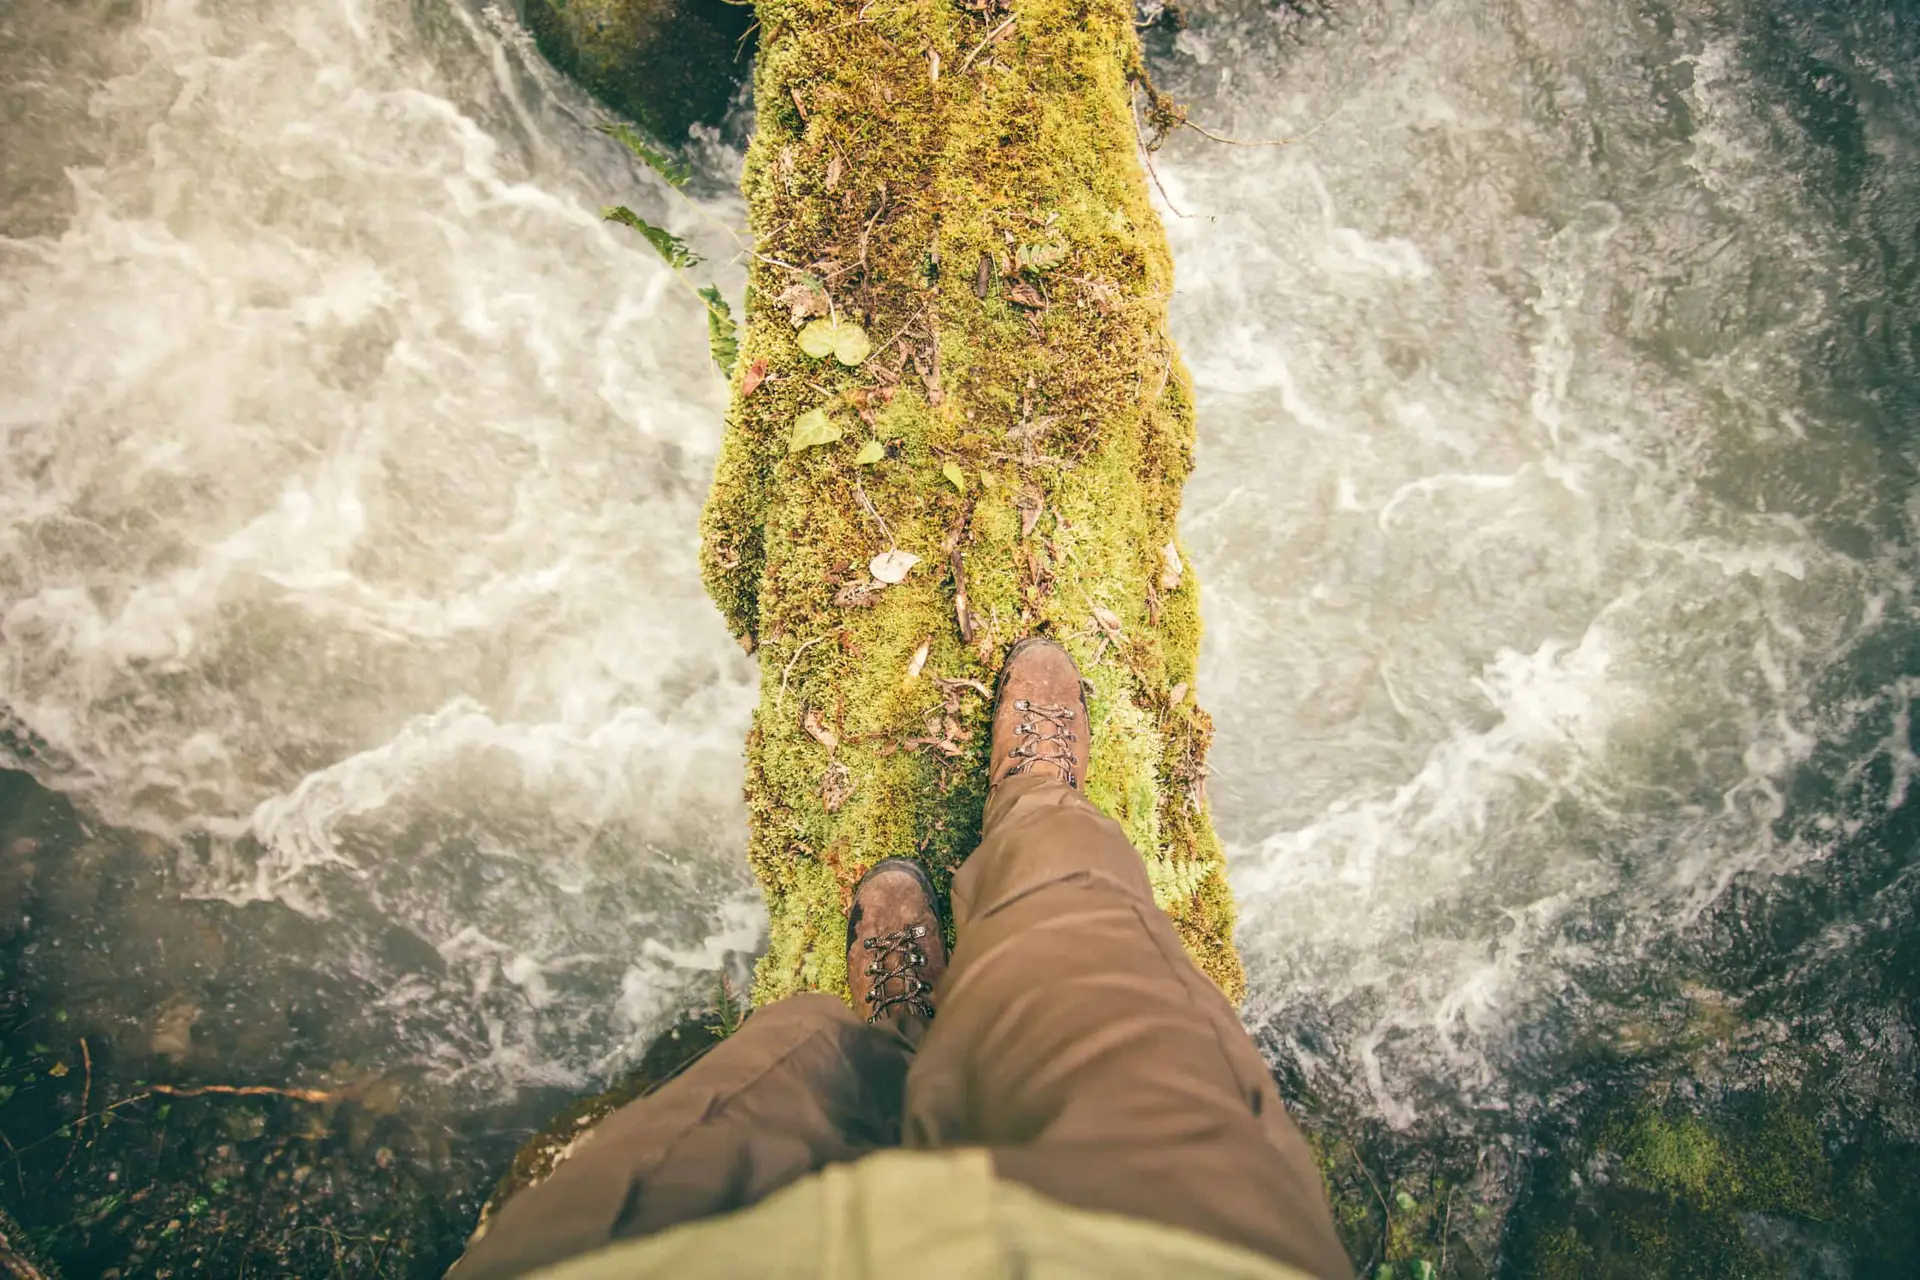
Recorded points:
(895, 951)
(1040, 717)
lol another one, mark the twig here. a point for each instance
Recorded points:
(1446, 1227)
(244, 1090)
(866, 505)
(789, 667)
(1240, 142)
(1386, 1214)
(86, 1097)
(1205, 132)
(196, 1091)
(902, 331)
(1146, 157)
(18, 1176)
(991, 36)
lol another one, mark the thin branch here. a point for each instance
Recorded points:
(781, 699)
(86, 1097)
(1205, 132)
(990, 37)
(245, 1091)
(866, 505)
(1146, 157)
(18, 1176)
(902, 331)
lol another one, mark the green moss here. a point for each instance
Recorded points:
(889, 185)
(1747, 1187)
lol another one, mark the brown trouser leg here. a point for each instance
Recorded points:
(804, 1083)
(1074, 1038)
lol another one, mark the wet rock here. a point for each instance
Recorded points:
(171, 1034)
(666, 64)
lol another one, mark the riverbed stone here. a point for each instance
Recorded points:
(665, 64)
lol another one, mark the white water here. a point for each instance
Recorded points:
(351, 467)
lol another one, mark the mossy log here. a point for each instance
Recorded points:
(960, 179)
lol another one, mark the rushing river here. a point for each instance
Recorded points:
(1559, 405)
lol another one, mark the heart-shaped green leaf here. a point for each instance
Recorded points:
(870, 452)
(842, 339)
(955, 476)
(812, 428)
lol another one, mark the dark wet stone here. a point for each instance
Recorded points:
(665, 64)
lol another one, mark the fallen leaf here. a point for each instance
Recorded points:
(804, 300)
(1022, 294)
(834, 170)
(844, 340)
(986, 480)
(1030, 505)
(817, 730)
(870, 452)
(919, 661)
(1179, 694)
(812, 428)
(59, 1069)
(836, 787)
(955, 476)
(858, 595)
(933, 66)
(750, 380)
(892, 566)
(1107, 619)
(1171, 568)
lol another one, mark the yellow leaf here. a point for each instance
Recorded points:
(812, 428)
(870, 452)
(955, 475)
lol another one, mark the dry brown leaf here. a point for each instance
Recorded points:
(1030, 504)
(834, 169)
(836, 786)
(919, 661)
(756, 373)
(1107, 620)
(1171, 568)
(1179, 694)
(858, 595)
(817, 730)
(1022, 294)
(803, 301)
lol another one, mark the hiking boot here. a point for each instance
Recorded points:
(1040, 717)
(895, 951)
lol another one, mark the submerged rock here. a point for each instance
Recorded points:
(666, 64)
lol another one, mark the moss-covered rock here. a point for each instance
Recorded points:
(1747, 1186)
(960, 181)
(665, 64)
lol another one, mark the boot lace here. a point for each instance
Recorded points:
(897, 957)
(1044, 738)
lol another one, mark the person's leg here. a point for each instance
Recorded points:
(1076, 1039)
(802, 1084)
